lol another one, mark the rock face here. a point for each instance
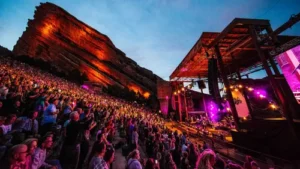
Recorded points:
(59, 38)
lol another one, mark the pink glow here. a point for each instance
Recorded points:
(213, 110)
(85, 87)
(289, 63)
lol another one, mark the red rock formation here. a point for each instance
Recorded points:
(59, 38)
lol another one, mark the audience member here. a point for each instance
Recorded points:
(97, 162)
(133, 160)
(207, 159)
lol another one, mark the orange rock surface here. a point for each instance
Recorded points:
(59, 38)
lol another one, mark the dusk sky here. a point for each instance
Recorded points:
(157, 34)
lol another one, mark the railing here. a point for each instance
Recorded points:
(229, 150)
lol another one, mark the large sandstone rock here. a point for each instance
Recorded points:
(56, 36)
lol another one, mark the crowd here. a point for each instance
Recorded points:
(48, 122)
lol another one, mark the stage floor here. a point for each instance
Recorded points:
(193, 130)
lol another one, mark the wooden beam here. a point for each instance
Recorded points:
(238, 21)
(223, 33)
(258, 22)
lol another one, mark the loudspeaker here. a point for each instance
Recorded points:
(201, 84)
(213, 78)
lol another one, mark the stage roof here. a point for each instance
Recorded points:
(234, 41)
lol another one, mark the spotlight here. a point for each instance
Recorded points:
(273, 106)
(236, 90)
(240, 86)
(250, 89)
(262, 96)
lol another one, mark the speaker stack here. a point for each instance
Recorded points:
(201, 84)
(213, 79)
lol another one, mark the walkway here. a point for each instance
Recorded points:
(120, 160)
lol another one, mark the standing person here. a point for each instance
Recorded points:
(151, 164)
(89, 124)
(135, 138)
(133, 162)
(169, 162)
(97, 162)
(109, 157)
(49, 118)
(185, 161)
(39, 157)
(71, 148)
(207, 160)
(193, 155)
(176, 154)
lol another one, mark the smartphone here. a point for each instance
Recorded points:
(156, 162)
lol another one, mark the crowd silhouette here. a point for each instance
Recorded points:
(49, 122)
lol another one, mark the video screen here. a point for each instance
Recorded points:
(289, 62)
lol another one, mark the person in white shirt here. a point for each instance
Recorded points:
(39, 157)
(3, 91)
(6, 128)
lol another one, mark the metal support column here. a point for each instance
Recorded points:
(227, 85)
(287, 108)
(270, 58)
(179, 107)
(185, 105)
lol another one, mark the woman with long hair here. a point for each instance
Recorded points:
(133, 160)
(207, 159)
(31, 145)
(169, 163)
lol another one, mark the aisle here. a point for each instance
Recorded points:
(120, 160)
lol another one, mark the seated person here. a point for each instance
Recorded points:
(39, 156)
(18, 157)
(28, 125)
(6, 128)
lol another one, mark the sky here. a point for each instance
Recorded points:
(157, 34)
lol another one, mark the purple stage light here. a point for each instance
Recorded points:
(85, 87)
(213, 110)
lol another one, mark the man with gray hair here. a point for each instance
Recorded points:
(71, 148)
